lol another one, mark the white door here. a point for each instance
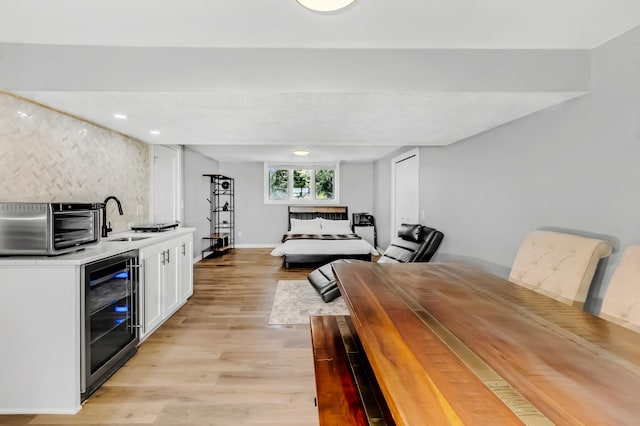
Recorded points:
(166, 184)
(404, 207)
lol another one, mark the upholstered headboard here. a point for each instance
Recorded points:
(311, 212)
(558, 265)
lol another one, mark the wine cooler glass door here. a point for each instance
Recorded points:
(110, 326)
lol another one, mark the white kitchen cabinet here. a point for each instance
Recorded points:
(186, 266)
(151, 288)
(171, 278)
(40, 300)
(162, 284)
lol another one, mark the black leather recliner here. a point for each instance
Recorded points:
(415, 243)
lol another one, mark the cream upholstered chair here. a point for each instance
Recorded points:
(558, 265)
(621, 303)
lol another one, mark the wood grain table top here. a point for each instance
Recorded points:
(452, 344)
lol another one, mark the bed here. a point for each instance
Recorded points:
(319, 235)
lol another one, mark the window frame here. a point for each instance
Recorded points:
(302, 166)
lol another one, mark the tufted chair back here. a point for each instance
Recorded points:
(558, 265)
(621, 302)
(414, 243)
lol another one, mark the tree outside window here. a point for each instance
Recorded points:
(324, 184)
(301, 183)
(278, 184)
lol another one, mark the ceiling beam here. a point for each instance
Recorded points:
(94, 68)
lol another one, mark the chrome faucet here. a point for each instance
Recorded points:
(106, 226)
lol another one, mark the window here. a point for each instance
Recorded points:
(301, 183)
(325, 179)
(278, 184)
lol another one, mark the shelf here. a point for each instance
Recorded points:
(216, 236)
(212, 251)
(217, 176)
(102, 297)
(221, 217)
(106, 278)
(107, 325)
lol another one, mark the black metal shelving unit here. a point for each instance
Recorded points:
(221, 217)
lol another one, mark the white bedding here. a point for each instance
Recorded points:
(324, 247)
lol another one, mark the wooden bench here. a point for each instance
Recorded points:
(346, 390)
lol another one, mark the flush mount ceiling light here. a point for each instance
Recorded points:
(325, 5)
(301, 151)
(120, 116)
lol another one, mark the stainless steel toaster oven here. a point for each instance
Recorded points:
(48, 228)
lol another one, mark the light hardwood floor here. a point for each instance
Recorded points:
(216, 361)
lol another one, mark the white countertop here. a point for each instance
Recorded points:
(104, 249)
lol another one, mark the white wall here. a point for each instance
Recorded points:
(573, 167)
(356, 187)
(257, 224)
(382, 197)
(262, 225)
(196, 192)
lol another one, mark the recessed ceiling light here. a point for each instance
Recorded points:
(325, 5)
(301, 151)
(154, 132)
(120, 116)
(23, 114)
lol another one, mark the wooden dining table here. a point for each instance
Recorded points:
(449, 343)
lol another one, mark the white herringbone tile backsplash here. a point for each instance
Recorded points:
(49, 156)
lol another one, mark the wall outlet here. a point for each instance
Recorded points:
(139, 209)
(422, 214)
(239, 234)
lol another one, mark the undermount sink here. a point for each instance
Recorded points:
(129, 239)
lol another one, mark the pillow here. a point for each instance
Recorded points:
(300, 226)
(335, 226)
(410, 232)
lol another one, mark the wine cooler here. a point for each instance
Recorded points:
(109, 327)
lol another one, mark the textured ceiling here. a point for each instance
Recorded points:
(248, 80)
(338, 125)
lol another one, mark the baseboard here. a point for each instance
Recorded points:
(199, 258)
(257, 245)
(41, 411)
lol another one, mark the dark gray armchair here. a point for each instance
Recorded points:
(414, 243)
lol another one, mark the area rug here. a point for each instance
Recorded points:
(296, 300)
